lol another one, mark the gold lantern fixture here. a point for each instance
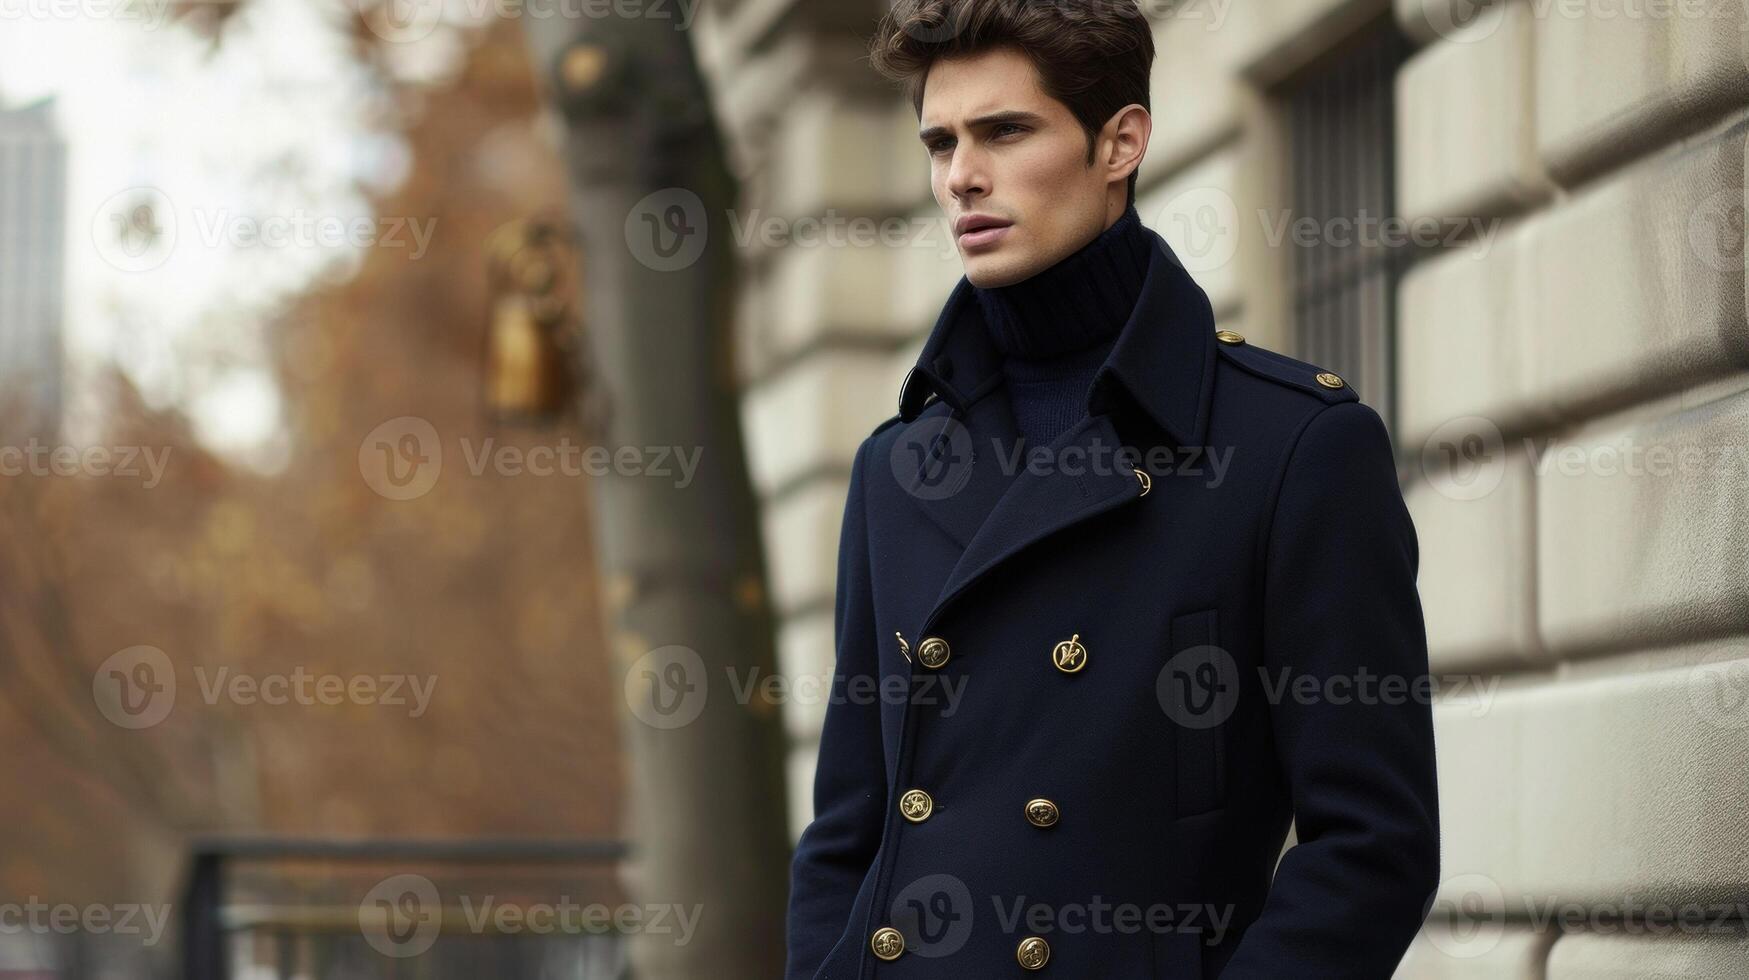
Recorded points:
(531, 340)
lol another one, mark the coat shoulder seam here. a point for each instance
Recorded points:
(1287, 371)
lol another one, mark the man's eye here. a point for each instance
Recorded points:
(1004, 129)
(937, 147)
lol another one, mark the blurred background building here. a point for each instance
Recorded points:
(33, 216)
(475, 586)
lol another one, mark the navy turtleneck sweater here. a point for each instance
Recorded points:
(1055, 328)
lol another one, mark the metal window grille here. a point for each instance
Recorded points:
(1341, 115)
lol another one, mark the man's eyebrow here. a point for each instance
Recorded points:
(989, 119)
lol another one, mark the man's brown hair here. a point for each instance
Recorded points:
(1092, 55)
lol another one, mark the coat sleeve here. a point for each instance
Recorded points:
(1341, 606)
(837, 847)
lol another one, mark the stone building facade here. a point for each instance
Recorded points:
(1554, 330)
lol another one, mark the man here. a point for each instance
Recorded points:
(1081, 692)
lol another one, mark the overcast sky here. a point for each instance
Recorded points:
(180, 154)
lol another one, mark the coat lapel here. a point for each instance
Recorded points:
(958, 462)
(1083, 476)
(959, 474)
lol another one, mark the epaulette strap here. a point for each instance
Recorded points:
(1282, 369)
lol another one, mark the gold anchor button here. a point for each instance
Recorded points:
(1033, 953)
(1069, 655)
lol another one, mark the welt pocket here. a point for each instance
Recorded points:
(1200, 689)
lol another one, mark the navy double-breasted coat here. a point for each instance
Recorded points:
(1076, 706)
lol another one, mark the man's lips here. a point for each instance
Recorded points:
(979, 232)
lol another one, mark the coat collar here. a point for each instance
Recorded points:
(1162, 362)
(949, 458)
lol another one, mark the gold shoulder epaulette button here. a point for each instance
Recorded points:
(1229, 337)
(1281, 369)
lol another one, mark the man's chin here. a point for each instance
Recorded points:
(989, 270)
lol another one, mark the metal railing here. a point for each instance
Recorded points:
(300, 909)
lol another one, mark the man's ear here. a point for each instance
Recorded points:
(1124, 142)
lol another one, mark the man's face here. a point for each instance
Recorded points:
(1008, 159)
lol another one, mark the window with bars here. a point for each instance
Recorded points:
(1342, 119)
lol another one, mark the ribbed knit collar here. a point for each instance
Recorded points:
(1083, 299)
